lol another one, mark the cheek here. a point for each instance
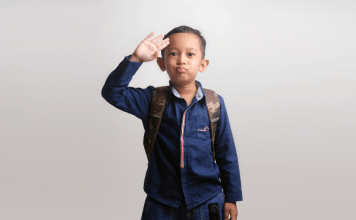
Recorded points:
(170, 64)
(195, 64)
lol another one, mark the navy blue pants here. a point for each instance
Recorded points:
(155, 210)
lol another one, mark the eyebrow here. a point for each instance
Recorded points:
(177, 49)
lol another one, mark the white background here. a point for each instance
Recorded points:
(286, 70)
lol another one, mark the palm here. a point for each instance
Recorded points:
(146, 50)
(149, 50)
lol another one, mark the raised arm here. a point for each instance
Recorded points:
(116, 91)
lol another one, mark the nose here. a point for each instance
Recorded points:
(181, 60)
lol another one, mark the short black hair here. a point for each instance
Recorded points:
(186, 29)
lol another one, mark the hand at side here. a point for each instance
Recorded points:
(230, 209)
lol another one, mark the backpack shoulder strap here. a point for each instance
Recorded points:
(213, 107)
(158, 102)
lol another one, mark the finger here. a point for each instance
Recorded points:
(150, 35)
(159, 48)
(157, 38)
(226, 215)
(162, 42)
(233, 215)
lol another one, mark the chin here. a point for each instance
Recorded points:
(180, 82)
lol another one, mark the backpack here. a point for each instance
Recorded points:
(159, 98)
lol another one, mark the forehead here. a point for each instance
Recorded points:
(183, 41)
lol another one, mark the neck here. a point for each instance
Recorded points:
(184, 90)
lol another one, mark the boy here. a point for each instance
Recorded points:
(182, 180)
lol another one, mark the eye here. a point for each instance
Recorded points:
(191, 53)
(172, 53)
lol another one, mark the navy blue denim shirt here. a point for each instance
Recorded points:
(181, 165)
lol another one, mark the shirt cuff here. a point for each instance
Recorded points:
(130, 66)
(233, 196)
(128, 57)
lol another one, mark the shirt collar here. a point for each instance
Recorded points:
(198, 95)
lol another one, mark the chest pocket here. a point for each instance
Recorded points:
(203, 129)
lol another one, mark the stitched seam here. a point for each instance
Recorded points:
(206, 127)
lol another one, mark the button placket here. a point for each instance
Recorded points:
(182, 137)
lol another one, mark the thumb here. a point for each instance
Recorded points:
(226, 215)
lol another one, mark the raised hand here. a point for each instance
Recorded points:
(149, 50)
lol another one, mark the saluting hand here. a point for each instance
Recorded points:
(149, 50)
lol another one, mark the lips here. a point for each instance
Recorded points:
(181, 70)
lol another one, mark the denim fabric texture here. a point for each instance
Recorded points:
(154, 210)
(183, 134)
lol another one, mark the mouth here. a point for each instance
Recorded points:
(181, 70)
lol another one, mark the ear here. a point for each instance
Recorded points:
(203, 65)
(160, 63)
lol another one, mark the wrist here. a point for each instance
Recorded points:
(134, 58)
(232, 202)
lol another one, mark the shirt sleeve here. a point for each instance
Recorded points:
(226, 157)
(135, 101)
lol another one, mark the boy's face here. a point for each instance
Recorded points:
(183, 51)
